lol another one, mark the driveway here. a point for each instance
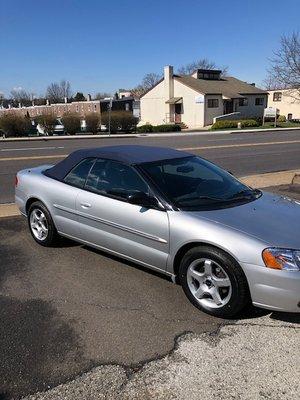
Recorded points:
(63, 311)
(70, 310)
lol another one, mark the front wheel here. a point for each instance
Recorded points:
(213, 281)
(41, 225)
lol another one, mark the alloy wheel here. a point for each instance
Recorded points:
(39, 224)
(209, 283)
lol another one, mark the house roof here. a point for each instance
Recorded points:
(229, 87)
(127, 154)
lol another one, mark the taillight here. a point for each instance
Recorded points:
(16, 181)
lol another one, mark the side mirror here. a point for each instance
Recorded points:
(143, 199)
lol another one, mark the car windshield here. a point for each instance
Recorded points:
(192, 183)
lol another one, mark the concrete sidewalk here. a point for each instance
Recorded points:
(252, 359)
(132, 135)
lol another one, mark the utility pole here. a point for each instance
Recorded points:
(109, 114)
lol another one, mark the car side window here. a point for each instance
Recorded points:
(77, 176)
(115, 179)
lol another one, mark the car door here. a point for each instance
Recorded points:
(63, 198)
(107, 220)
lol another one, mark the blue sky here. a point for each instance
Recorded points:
(101, 45)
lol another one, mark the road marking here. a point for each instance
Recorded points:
(33, 157)
(225, 146)
(33, 148)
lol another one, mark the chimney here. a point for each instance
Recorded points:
(89, 97)
(169, 82)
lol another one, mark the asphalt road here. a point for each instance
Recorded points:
(241, 153)
(68, 309)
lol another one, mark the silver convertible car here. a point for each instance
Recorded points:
(172, 211)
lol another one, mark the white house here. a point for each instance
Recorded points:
(195, 100)
(287, 101)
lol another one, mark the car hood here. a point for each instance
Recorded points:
(273, 219)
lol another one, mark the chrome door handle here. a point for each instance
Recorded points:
(85, 205)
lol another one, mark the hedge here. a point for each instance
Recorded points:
(227, 124)
(71, 123)
(119, 121)
(281, 118)
(92, 122)
(159, 128)
(16, 125)
(145, 128)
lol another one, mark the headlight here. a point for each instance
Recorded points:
(288, 260)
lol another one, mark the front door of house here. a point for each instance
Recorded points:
(178, 111)
(228, 106)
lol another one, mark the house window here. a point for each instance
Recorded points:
(259, 101)
(290, 116)
(213, 103)
(95, 107)
(243, 102)
(277, 96)
(127, 106)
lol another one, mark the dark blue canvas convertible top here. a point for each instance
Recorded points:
(128, 154)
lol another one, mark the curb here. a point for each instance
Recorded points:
(256, 181)
(125, 135)
(9, 210)
(270, 179)
(64, 137)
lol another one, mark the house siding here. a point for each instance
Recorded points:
(153, 106)
(289, 104)
(251, 110)
(211, 113)
(192, 112)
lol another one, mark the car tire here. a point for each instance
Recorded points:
(214, 282)
(41, 225)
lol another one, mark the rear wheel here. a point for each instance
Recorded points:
(213, 281)
(41, 224)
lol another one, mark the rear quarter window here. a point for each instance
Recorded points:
(78, 175)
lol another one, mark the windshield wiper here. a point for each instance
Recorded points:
(245, 194)
(241, 195)
(202, 198)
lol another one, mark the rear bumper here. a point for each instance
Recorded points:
(21, 204)
(273, 289)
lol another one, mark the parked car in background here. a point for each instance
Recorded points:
(57, 130)
(174, 212)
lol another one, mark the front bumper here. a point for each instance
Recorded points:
(273, 289)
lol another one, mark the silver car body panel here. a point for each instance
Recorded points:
(153, 237)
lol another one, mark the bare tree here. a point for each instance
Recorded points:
(284, 71)
(202, 63)
(57, 91)
(269, 83)
(147, 83)
(150, 80)
(21, 96)
(138, 91)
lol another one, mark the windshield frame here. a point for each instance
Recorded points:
(224, 203)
